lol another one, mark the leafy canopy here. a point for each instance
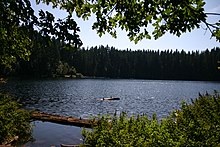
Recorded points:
(18, 22)
(138, 16)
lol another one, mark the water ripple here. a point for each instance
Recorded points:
(79, 97)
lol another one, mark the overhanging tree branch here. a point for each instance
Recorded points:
(212, 13)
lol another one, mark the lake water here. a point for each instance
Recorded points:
(46, 134)
(79, 97)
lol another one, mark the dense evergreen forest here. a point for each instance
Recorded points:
(147, 64)
(109, 62)
(43, 46)
(50, 57)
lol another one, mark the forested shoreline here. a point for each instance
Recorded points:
(109, 62)
(147, 64)
(38, 43)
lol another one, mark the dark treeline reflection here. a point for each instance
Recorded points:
(148, 64)
(109, 62)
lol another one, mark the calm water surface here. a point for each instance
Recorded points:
(46, 134)
(78, 98)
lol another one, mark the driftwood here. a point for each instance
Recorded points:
(63, 119)
(67, 145)
(109, 99)
(3, 81)
(70, 145)
(9, 142)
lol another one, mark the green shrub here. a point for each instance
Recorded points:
(13, 120)
(196, 124)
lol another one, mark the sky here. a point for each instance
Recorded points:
(197, 39)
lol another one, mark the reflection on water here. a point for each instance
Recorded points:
(46, 134)
(78, 98)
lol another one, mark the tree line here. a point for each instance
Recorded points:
(147, 64)
(49, 57)
(41, 45)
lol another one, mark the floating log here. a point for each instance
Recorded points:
(63, 119)
(109, 99)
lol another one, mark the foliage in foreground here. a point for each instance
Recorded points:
(20, 25)
(196, 124)
(13, 121)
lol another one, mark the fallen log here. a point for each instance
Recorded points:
(63, 119)
(67, 145)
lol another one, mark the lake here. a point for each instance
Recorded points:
(79, 97)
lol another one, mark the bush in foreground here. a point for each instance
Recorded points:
(14, 122)
(196, 124)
